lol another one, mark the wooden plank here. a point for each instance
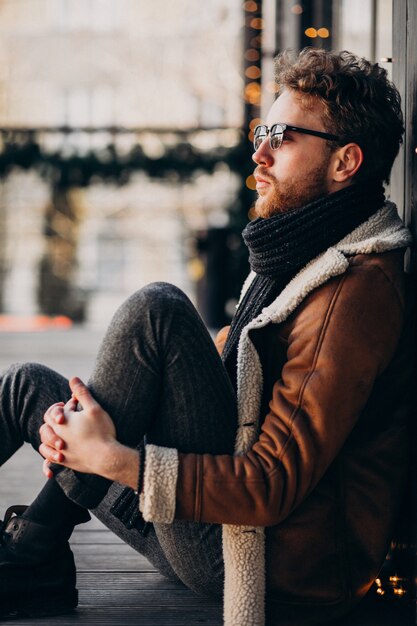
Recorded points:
(85, 534)
(124, 616)
(126, 580)
(109, 556)
(144, 597)
(21, 478)
(75, 356)
(119, 598)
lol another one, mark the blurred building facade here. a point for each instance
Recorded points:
(101, 64)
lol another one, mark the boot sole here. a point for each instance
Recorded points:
(40, 607)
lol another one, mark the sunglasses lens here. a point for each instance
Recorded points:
(260, 134)
(276, 140)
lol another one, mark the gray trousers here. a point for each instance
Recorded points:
(157, 374)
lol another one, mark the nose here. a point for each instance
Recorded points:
(263, 156)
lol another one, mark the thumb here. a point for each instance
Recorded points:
(81, 393)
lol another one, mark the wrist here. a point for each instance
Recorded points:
(118, 463)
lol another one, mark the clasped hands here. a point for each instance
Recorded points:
(84, 439)
(80, 438)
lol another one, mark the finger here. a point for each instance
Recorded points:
(54, 413)
(50, 438)
(47, 470)
(56, 416)
(82, 393)
(69, 408)
(50, 454)
(71, 405)
(50, 409)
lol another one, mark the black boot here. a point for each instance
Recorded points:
(37, 570)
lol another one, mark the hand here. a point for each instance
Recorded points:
(78, 439)
(50, 439)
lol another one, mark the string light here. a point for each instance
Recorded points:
(312, 33)
(252, 55)
(256, 23)
(400, 591)
(323, 33)
(255, 122)
(297, 9)
(394, 585)
(253, 72)
(253, 93)
(250, 6)
(196, 269)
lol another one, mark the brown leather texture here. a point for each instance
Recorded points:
(327, 473)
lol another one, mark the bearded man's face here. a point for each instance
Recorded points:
(297, 172)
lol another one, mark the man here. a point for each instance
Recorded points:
(310, 393)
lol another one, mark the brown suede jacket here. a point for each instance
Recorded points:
(326, 472)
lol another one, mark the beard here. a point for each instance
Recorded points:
(283, 196)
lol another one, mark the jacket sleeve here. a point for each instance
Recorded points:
(341, 337)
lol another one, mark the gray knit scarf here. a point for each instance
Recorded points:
(282, 245)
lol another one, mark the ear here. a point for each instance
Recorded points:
(345, 163)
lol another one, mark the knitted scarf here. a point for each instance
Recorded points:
(280, 246)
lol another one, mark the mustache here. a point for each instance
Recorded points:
(262, 174)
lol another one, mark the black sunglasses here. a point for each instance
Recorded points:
(276, 134)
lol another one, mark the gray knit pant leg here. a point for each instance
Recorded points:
(26, 391)
(157, 373)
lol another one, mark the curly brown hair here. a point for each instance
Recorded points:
(360, 104)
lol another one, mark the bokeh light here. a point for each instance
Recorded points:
(253, 93)
(253, 72)
(257, 23)
(252, 55)
(250, 6)
(251, 182)
(323, 33)
(254, 122)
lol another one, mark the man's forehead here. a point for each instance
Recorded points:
(293, 108)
